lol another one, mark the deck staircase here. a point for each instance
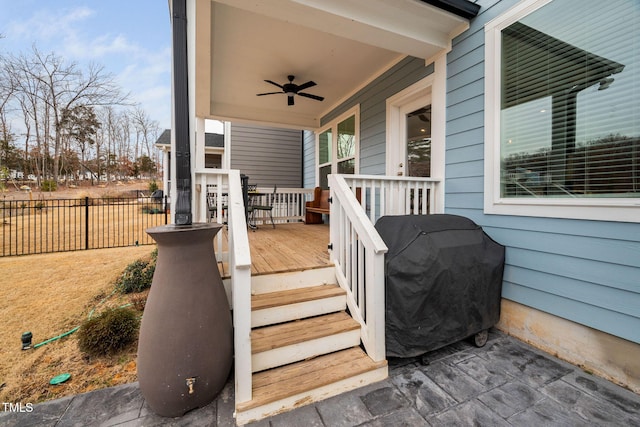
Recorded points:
(305, 345)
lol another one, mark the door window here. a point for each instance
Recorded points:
(419, 142)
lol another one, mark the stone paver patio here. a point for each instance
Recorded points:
(505, 383)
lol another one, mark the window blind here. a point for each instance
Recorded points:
(570, 103)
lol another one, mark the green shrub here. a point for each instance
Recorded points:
(153, 186)
(136, 277)
(49, 185)
(108, 333)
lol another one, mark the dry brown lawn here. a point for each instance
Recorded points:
(59, 221)
(48, 295)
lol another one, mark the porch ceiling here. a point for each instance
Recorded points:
(341, 45)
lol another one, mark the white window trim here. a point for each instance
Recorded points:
(333, 125)
(606, 209)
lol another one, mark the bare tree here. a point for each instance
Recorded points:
(147, 130)
(54, 86)
(6, 92)
(56, 99)
(34, 110)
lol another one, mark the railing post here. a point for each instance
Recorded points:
(86, 222)
(376, 302)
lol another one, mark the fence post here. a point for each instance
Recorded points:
(86, 222)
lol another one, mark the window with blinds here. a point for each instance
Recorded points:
(569, 101)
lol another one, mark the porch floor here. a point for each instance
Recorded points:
(288, 247)
(505, 383)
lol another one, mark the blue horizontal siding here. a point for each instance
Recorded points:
(470, 184)
(465, 169)
(570, 227)
(462, 109)
(620, 301)
(466, 138)
(308, 159)
(462, 93)
(463, 204)
(584, 271)
(618, 324)
(465, 154)
(620, 252)
(373, 109)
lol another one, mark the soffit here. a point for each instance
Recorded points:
(341, 45)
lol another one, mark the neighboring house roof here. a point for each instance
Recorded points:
(213, 140)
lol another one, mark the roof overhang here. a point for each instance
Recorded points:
(340, 44)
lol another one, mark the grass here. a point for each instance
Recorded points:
(59, 225)
(48, 295)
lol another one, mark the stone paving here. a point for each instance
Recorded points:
(505, 383)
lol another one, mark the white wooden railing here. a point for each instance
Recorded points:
(288, 204)
(357, 250)
(389, 195)
(227, 182)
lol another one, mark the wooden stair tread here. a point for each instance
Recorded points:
(271, 337)
(296, 378)
(293, 296)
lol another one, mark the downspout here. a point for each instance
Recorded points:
(183, 214)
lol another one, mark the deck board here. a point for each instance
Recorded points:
(290, 333)
(288, 247)
(295, 296)
(275, 384)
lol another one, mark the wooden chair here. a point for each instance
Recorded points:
(264, 208)
(212, 206)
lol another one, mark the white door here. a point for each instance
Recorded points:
(409, 133)
(415, 139)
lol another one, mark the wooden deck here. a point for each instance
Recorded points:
(288, 247)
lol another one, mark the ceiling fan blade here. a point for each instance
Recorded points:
(306, 85)
(290, 100)
(308, 95)
(274, 83)
(268, 93)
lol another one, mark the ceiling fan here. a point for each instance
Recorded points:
(290, 89)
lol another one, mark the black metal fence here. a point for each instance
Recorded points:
(60, 225)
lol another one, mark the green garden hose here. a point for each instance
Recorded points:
(78, 327)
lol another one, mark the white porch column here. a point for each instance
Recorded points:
(166, 179)
(198, 160)
(226, 154)
(438, 126)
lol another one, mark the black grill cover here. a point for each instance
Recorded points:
(443, 281)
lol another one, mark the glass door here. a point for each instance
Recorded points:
(418, 142)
